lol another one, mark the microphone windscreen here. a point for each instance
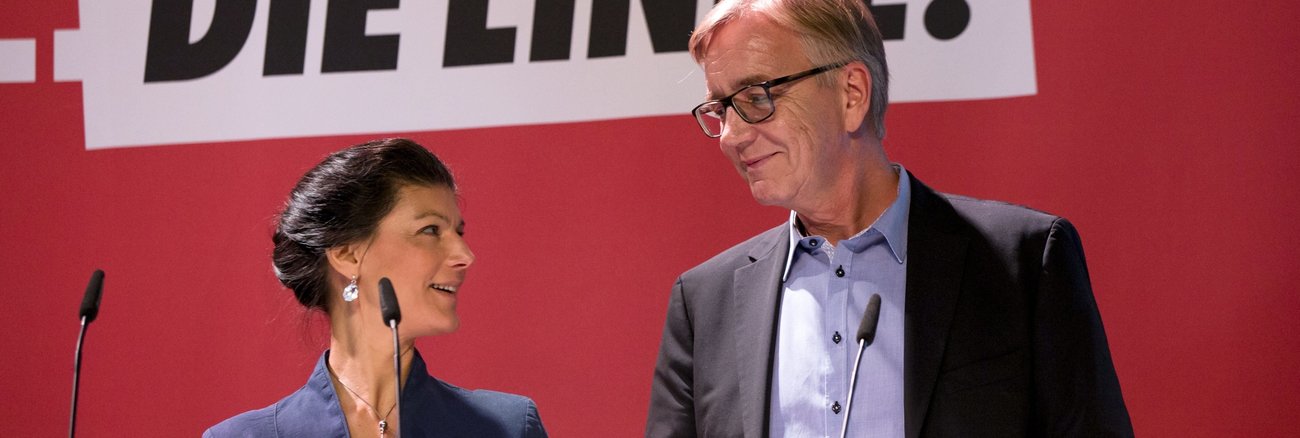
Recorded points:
(388, 302)
(90, 302)
(867, 329)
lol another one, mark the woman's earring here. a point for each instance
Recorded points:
(350, 291)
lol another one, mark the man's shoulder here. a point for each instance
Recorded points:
(1000, 216)
(742, 253)
(1012, 228)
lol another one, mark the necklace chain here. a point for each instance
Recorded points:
(383, 422)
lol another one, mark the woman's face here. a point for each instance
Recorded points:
(420, 247)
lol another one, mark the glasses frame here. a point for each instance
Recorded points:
(767, 85)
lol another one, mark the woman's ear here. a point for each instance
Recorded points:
(345, 259)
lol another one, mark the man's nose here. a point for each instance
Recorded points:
(736, 132)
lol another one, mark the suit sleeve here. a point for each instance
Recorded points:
(1078, 392)
(672, 402)
(533, 423)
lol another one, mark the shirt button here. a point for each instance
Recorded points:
(835, 407)
(836, 337)
(839, 272)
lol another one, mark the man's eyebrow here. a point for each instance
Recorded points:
(744, 82)
(751, 80)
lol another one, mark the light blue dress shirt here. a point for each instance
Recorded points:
(826, 289)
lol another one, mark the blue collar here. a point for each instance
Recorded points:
(892, 224)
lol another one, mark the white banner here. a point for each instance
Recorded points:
(17, 60)
(497, 63)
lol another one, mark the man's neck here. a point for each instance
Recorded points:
(854, 203)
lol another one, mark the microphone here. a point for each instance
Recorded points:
(866, 334)
(392, 315)
(90, 302)
(871, 317)
(388, 302)
(89, 310)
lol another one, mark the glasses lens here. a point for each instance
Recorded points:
(710, 116)
(754, 103)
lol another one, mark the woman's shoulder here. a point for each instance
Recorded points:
(485, 397)
(480, 412)
(303, 413)
(255, 423)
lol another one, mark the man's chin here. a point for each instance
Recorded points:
(765, 196)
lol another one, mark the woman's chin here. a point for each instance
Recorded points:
(439, 328)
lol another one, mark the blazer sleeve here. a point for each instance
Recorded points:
(672, 403)
(1079, 393)
(533, 423)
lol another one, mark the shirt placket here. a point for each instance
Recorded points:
(839, 333)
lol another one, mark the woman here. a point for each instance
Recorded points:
(381, 209)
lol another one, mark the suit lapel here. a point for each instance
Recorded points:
(936, 252)
(757, 293)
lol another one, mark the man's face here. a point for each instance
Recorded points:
(792, 158)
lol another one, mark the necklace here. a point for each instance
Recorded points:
(383, 422)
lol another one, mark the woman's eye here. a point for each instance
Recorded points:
(431, 230)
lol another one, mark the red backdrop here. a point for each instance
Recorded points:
(1165, 130)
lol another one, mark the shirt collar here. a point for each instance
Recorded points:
(892, 224)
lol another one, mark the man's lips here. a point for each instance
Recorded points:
(754, 162)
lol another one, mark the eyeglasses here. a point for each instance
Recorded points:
(753, 103)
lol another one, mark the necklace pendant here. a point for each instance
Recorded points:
(383, 427)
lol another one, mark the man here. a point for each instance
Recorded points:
(987, 326)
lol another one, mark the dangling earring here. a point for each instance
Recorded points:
(350, 291)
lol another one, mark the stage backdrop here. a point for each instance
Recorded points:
(157, 141)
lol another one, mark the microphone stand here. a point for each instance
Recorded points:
(853, 381)
(866, 334)
(76, 379)
(392, 314)
(89, 311)
(397, 372)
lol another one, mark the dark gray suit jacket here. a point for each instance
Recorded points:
(1002, 334)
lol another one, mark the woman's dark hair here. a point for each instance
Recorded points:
(341, 201)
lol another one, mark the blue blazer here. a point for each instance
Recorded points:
(430, 408)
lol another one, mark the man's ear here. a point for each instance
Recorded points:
(857, 95)
(345, 259)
